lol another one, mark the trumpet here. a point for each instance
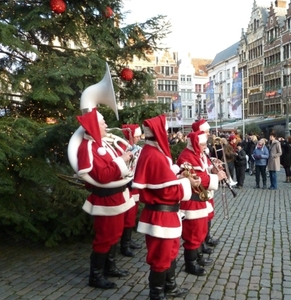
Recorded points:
(200, 190)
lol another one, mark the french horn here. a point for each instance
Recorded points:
(99, 93)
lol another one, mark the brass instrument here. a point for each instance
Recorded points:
(99, 93)
(116, 140)
(200, 190)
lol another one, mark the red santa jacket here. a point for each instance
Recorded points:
(104, 166)
(158, 184)
(208, 181)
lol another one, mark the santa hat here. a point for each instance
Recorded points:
(90, 122)
(196, 138)
(232, 137)
(200, 125)
(157, 128)
(130, 131)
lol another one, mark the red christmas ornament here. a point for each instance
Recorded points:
(108, 12)
(58, 6)
(126, 74)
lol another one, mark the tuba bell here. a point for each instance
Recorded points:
(99, 93)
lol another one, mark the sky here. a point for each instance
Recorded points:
(200, 27)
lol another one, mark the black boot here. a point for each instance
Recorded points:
(171, 288)
(206, 249)
(203, 261)
(125, 243)
(157, 285)
(210, 241)
(96, 277)
(191, 266)
(110, 268)
(134, 245)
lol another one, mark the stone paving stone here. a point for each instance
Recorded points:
(249, 262)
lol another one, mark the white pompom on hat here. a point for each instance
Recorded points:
(201, 125)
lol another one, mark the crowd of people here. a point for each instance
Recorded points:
(133, 187)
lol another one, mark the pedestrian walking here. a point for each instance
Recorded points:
(240, 166)
(285, 158)
(274, 160)
(260, 156)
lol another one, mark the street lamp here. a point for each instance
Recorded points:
(221, 113)
(199, 106)
(287, 77)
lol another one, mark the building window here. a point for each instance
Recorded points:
(168, 85)
(189, 112)
(233, 71)
(167, 71)
(164, 100)
(228, 73)
(189, 78)
(228, 90)
(182, 78)
(198, 88)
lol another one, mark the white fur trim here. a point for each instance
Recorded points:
(122, 166)
(97, 210)
(101, 151)
(187, 188)
(196, 214)
(175, 168)
(147, 132)
(100, 117)
(137, 132)
(202, 138)
(213, 183)
(159, 231)
(204, 127)
(209, 206)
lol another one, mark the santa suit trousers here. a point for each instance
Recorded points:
(161, 252)
(130, 216)
(194, 232)
(108, 230)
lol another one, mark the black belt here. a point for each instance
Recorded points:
(105, 192)
(163, 207)
(195, 197)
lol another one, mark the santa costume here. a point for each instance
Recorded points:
(195, 224)
(203, 125)
(109, 199)
(161, 192)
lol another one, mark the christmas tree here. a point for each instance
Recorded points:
(50, 52)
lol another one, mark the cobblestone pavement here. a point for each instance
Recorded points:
(252, 260)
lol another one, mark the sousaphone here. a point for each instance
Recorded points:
(99, 93)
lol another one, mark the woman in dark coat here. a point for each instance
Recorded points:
(285, 158)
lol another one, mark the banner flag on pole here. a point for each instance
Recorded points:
(210, 104)
(236, 96)
(177, 109)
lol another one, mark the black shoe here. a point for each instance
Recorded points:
(206, 250)
(195, 269)
(134, 245)
(177, 292)
(264, 187)
(126, 251)
(257, 187)
(116, 273)
(205, 261)
(212, 242)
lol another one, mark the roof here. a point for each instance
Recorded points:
(226, 54)
(201, 65)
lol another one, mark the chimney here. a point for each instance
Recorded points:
(280, 3)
